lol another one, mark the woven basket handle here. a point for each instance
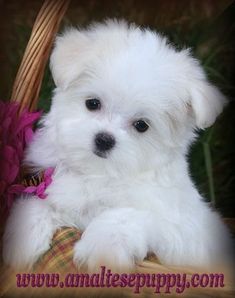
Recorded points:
(28, 80)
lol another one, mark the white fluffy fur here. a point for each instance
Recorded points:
(141, 197)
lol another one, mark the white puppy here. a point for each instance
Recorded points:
(124, 113)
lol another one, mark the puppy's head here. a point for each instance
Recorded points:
(125, 101)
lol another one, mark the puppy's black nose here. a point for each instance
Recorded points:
(104, 142)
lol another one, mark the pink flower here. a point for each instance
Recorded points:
(16, 131)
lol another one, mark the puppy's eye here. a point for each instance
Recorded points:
(140, 125)
(93, 104)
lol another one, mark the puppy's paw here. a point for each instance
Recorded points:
(27, 234)
(92, 254)
(22, 253)
(115, 239)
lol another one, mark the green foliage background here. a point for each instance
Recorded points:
(207, 27)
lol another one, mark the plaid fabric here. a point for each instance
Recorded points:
(59, 258)
(32, 179)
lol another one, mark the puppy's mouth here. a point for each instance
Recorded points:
(100, 154)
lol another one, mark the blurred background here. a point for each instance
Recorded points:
(206, 26)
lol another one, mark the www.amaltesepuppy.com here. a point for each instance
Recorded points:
(160, 282)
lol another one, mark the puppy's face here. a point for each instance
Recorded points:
(125, 100)
(121, 117)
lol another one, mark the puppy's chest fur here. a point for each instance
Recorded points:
(77, 199)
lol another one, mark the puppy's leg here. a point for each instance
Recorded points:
(201, 241)
(116, 238)
(28, 232)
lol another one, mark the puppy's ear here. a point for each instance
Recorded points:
(42, 151)
(207, 103)
(68, 57)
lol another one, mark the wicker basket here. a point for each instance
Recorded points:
(30, 74)
(26, 92)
